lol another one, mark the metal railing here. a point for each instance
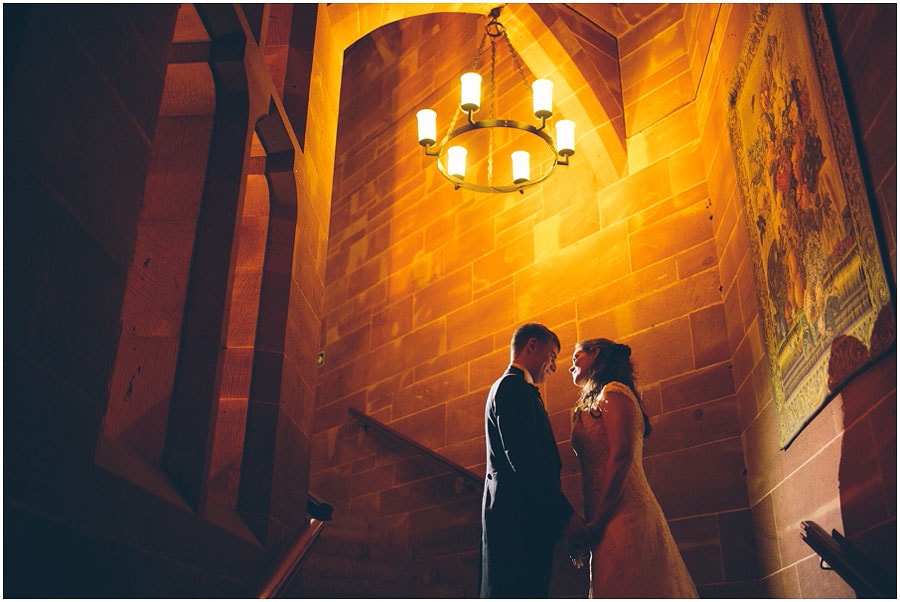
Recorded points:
(471, 481)
(287, 565)
(836, 554)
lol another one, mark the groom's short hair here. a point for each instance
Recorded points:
(532, 330)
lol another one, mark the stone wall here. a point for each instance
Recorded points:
(812, 478)
(425, 285)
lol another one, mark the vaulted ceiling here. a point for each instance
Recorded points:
(582, 47)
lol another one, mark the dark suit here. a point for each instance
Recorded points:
(523, 510)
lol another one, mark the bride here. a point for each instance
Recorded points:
(628, 546)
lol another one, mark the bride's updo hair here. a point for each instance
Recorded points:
(612, 364)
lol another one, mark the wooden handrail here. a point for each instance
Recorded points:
(835, 553)
(470, 479)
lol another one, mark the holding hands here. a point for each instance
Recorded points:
(578, 541)
(581, 540)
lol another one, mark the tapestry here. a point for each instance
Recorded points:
(825, 303)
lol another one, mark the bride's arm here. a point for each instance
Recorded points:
(618, 418)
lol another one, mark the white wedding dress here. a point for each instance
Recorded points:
(637, 556)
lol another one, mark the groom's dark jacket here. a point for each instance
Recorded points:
(523, 508)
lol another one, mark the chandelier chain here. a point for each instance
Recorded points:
(452, 125)
(493, 87)
(480, 50)
(515, 58)
(475, 63)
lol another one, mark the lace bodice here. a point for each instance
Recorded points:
(636, 556)
(591, 444)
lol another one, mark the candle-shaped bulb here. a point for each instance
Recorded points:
(470, 97)
(542, 98)
(456, 161)
(520, 167)
(565, 137)
(427, 122)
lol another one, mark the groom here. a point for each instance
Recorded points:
(524, 511)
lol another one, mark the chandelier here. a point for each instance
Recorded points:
(497, 155)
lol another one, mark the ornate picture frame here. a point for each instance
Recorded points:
(825, 302)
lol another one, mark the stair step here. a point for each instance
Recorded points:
(330, 575)
(349, 587)
(343, 565)
(355, 557)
